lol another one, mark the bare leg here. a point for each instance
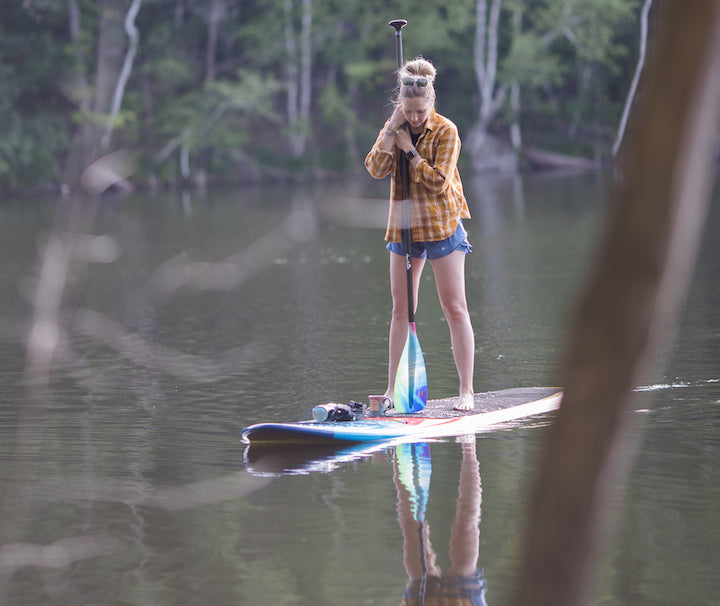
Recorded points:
(450, 280)
(465, 531)
(399, 319)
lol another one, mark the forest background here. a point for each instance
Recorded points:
(191, 92)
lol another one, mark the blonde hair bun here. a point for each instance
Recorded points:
(418, 67)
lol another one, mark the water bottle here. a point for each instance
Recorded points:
(332, 412)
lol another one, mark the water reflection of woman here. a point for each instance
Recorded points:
(463, 584)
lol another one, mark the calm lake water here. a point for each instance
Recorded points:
(125, 482)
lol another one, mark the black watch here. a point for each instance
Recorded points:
(411, 154)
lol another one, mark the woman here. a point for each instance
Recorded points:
(431, 144)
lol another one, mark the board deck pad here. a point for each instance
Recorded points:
(438, 419)
(484, 402)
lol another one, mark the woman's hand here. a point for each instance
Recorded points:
(403, 139)
(399, 125)
(397, 120)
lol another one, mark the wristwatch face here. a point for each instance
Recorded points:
(411, 154)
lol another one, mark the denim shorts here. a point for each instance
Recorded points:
(435, 250)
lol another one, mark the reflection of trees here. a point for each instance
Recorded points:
(61, 329)
(529, 225)
(123, 352)
(463, 582)
(497, 202)
(137, 497)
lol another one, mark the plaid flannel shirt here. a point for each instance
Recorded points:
(437, 201)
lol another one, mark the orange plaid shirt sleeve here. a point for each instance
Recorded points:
(437, 200)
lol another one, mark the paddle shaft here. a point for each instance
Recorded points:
(411, 386)
(406, 231)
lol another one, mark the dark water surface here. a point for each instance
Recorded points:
(125, 482)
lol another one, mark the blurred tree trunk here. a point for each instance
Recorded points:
(218, 11)
(299, 77)
(133, 40)
(149, 131)
(79, 84)
(636, 77)
(110, 56)
(635, 290)
(515, 109)
(485, 59)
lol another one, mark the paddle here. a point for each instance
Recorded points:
(410, 394)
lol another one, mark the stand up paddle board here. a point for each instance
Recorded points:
(438, 419)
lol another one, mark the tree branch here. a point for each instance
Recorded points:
(133, 41)
(636, 77)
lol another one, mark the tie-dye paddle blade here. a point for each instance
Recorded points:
(411, 391)
(414, 471)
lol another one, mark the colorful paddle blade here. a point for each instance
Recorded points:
(411, 391)
(414, 471)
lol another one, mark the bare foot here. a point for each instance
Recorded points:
(465, 403)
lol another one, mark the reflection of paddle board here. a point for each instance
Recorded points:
(437, 419)
(287, 458)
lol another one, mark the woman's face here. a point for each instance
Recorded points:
(416, 110)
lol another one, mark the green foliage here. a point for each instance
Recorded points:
(531, 63)
(334, 106)
(572, 59)
(31, 110)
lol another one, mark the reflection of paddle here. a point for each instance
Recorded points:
(410, 394)
(414, 470)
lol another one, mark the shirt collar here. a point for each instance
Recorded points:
(432, 120)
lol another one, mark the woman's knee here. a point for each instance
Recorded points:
(400, 312)
(456, 311)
